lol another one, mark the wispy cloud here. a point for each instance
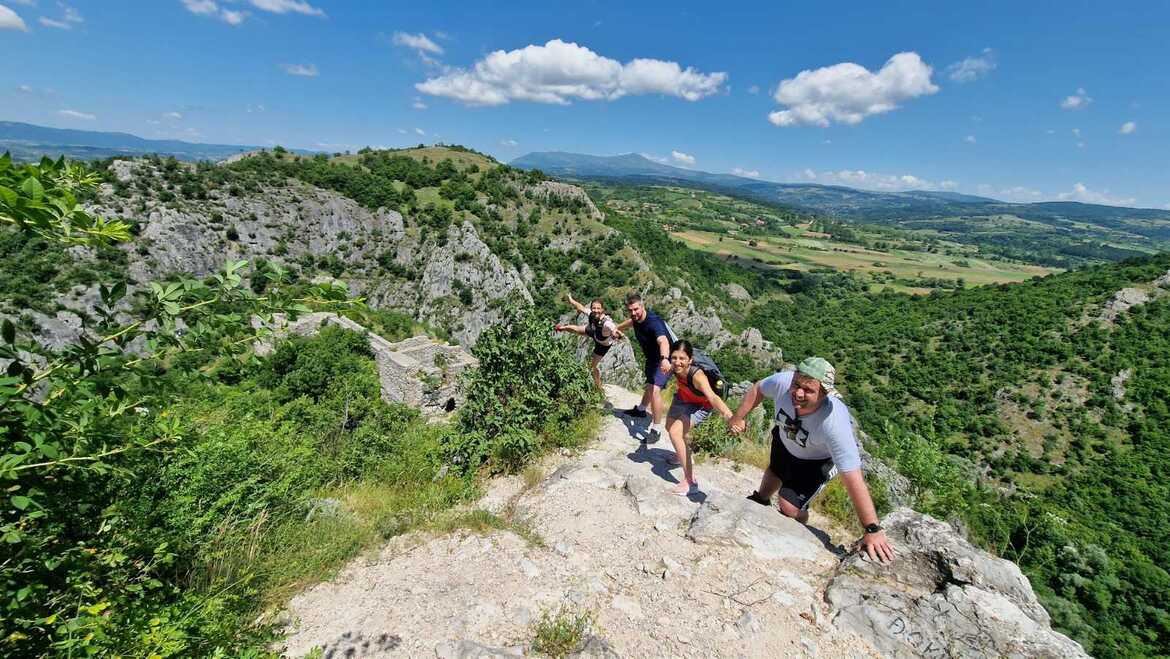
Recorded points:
(1077, 101)
(1083, 194)
(418, 104)
(559, 72)
(749, 173)
(970, 139)
(419, 42)
(1128, 128)
(847, 93)
(10, 20)
(859, 178)
(754, 89)
(305, 70)
(682, 158)
(509, 142)
(74, 114)
(971, 69)
(419, 131)
(173, 115)
(287, 6)
(211, 9)
(69, 17)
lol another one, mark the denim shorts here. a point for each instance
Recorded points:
(691, 411)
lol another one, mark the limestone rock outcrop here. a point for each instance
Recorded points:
(942, 597)
(1122, 301)
(419, 371)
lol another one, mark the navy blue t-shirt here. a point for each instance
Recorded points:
(648, 332)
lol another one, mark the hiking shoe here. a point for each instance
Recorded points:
(635, 412)
(755, 496)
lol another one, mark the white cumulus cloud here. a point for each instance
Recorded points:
(418, 41)
(1083, 194)
(684, 158)
(749, 173)
(1077, 101)
(74, 114)
(10, 20)
(848, 93)
(971, 69)
(558, 72)
(1128, 127)
(306, 70)
(859, 178)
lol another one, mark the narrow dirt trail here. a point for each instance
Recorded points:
(712, 575)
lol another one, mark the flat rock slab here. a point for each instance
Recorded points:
(735, 521)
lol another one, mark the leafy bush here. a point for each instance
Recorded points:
(528, 388)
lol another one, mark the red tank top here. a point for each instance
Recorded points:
(688, 395)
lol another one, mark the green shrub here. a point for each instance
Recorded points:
(528, 380)
(560, 633)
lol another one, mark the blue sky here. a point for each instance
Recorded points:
(1022, 101)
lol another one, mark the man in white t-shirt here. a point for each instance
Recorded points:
(812, 437)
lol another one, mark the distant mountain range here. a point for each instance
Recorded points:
(30, 142)
(848, 203)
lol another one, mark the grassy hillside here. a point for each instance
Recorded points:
(752, 235)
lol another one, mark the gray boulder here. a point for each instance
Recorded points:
(942, 597)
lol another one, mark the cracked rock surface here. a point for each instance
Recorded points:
(942, 598)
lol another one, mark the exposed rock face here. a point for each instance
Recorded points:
(467, 262)
(1122, 301)
(1117, 383)
(418, 371)
(566, 191)
(1163, 281)
(942, 597)
(736, 292)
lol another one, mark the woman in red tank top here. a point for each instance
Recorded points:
(692, 404)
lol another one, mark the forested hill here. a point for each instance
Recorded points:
(1024, 411)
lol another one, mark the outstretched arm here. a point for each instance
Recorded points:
(625, 324)
(876, 545)
(577, 305)
(750, 400)
(704, 385)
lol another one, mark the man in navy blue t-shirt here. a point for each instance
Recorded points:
(655, 338)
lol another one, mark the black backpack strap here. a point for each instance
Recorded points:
(691, 378)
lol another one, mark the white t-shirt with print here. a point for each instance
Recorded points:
(826, 433)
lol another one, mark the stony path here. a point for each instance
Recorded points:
(709, 576)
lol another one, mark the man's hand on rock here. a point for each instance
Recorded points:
(877, 547)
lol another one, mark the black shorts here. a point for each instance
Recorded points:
(800, 479)
(600, 349)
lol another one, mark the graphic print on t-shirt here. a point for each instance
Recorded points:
(793, 427)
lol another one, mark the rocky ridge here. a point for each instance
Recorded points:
(708, 575)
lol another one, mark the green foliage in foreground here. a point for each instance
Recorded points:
(528, 389)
